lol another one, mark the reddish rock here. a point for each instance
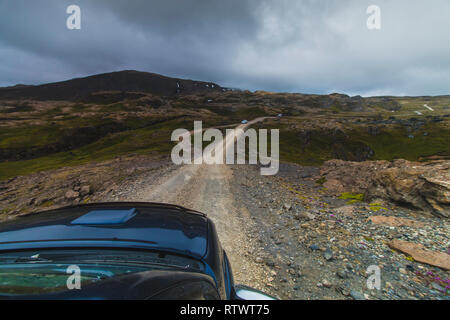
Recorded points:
(425, 186)
(352, 176)
(85, 190)
(334, 185)
(71, 195)
(421, 254)
(346, 210)
(395, 222)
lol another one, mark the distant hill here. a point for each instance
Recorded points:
(126, 81)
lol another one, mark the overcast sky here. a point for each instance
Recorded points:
(308, 46)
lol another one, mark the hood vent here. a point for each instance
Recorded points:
(105, 217)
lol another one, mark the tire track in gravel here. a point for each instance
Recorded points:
(207, 188)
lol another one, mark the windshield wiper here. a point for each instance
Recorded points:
(34, 258)
(136, 263)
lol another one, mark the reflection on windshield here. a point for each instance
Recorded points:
(39, 279)
(28, 273)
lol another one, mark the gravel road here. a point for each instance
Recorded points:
(284, 235)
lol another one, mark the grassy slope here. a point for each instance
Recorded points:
(141, 135)
(391, 143)
(395, 143)
(146, 140)
(118, 128)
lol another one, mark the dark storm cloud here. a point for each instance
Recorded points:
(280, 45)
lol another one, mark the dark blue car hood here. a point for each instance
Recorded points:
(150, 226)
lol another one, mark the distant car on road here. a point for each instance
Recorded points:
(117, 251)
(244, 121)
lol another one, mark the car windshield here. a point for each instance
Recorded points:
(39, 272)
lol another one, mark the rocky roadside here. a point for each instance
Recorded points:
(319, 247)
(421, 185)
(312, 244)
(94, 182)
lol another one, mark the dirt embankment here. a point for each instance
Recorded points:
(75, 185)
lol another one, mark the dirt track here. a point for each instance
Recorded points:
(207, 188)
(284, 235)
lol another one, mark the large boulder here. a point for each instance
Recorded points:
(424, 186)
(347, 176)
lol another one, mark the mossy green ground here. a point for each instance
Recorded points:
(391, 143)
(395, 143)
(377, 207)
(75, 134)
(352, 197)
(150, 139)
(144, 135)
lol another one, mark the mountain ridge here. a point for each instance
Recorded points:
(145, 82)
(127, 81)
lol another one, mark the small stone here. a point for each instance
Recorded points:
(314, 247)
(410, 268)
(304, 215)
(328, 254)
(258, 260)
(71, 195)
(270, 263)
(357, 295)
(326, 283)
(437, 287)
(341, 274)
(85, 190)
